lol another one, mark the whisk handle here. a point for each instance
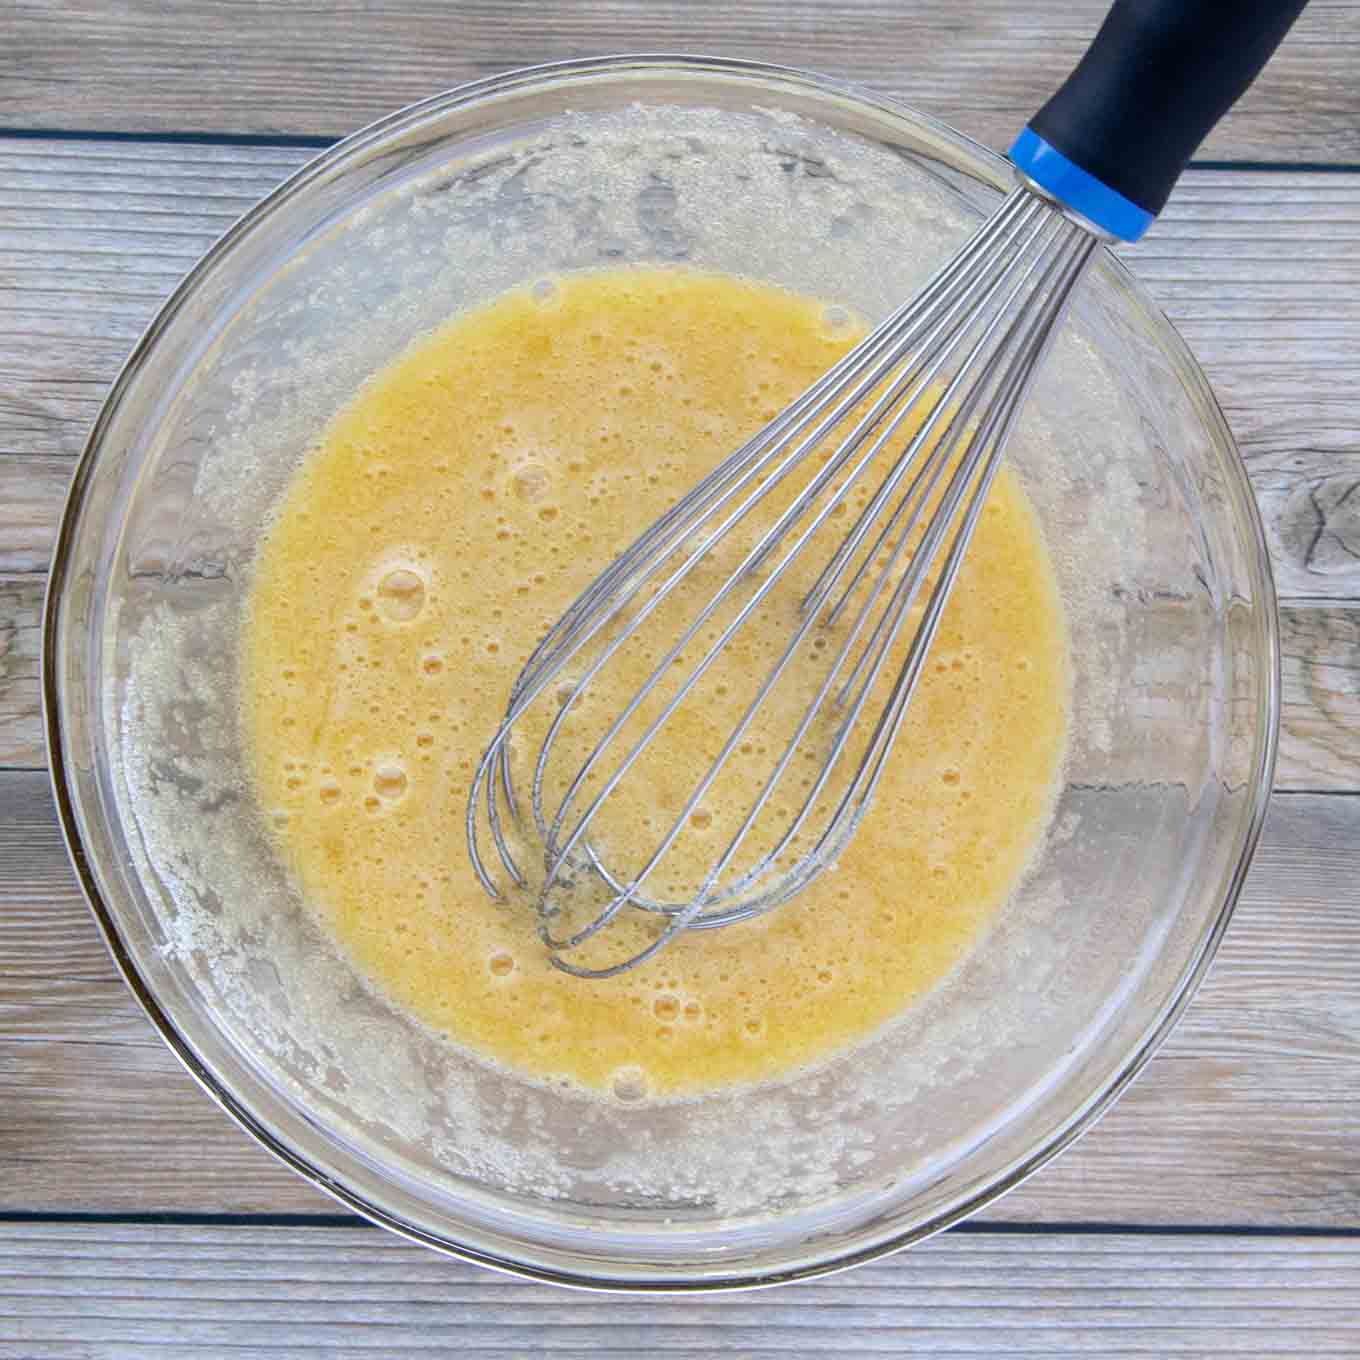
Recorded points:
(1113, 140)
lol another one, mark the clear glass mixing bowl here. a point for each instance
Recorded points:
(760, 171)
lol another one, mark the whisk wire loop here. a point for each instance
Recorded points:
(945, 378)
(819, 594)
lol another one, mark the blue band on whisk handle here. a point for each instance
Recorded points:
(1112, 141)
(1080, 191)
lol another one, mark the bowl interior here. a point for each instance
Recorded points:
(763, 173)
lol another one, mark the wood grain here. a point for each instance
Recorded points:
(1320, 708)
(257, 67)
(1248, 1116)
(1261, 273)
(119, 1292)
(32, 492)
(1319, 728)
(21, 737)
(93, 237)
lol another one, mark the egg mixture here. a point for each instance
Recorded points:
(445, 519)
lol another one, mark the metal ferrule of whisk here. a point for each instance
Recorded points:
(920, 411)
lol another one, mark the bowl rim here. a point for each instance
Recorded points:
(798, 80)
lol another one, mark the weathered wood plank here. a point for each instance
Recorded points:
(1319, 729)
(1320, 692)
(1248, 1116)
(21, 737)
(32, 492)
(1261, 272)
(985, 66)
(93, 235)
(115, 1292)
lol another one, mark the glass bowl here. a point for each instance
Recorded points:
(756, 170)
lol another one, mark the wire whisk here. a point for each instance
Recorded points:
(907, 432)
(924, 404)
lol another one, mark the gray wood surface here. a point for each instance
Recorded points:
(271, 1294)
(1250, 1115)
(1319, 733)
(93, 235)
(1261, 272)
(260, 67)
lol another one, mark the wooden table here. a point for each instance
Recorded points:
(1216, 1210)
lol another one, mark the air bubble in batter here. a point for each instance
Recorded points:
(530, 481)
(630, 1083)
(401, 595)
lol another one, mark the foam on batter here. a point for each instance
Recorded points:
(449, 514)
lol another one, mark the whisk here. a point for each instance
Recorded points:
(905, 435)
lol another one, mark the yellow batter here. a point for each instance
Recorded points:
(451, 512)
